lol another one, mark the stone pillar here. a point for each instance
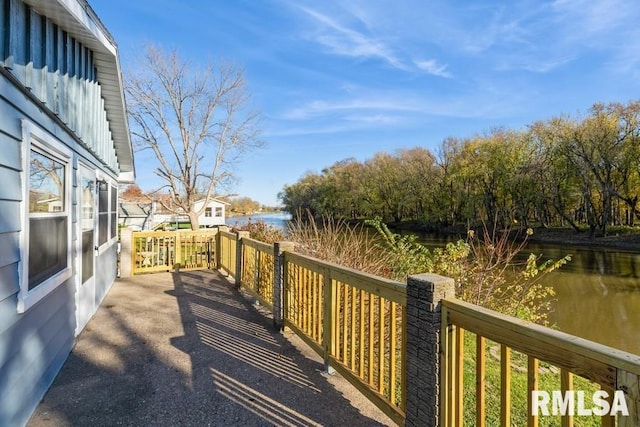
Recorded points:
(424, 293)
(126, 242)
(278, 281)
(241, 235)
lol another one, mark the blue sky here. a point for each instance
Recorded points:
(349, 78)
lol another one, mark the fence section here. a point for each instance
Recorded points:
(355, 320)
(528, 358)
(467, 365)
(154, 251)
(257, 270)
(227, 248)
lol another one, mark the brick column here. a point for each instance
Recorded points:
(126, 242)
(278, 281)
(424, 293)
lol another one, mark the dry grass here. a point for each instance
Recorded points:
(336, 241)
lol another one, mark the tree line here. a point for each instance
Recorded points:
(581, 171)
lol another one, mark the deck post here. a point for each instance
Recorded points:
(241, 235)
(423, 348)
(219, 246)
(126, 242)
(278, 281)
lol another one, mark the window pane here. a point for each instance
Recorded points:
(46, 184)
(88, 203)
(114, 199)
(47, 248)
(103, 214)
(103, 228)
(103, 200)
(114, 224)
(87, 255)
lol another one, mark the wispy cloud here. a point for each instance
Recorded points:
(342, 40)
(322, 108)
(432, 67)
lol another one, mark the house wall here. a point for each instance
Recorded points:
(34, 344)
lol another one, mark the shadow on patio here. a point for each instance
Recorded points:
(188, 349)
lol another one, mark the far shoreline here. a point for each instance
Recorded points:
(556, 236)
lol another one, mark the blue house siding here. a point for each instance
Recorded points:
(51, 80)
(32, 351)
(34, 344)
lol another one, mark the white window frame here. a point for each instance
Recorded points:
(101, 176)
(36, 138)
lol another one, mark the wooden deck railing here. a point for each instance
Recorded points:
(227, 251)
(421, 356)
(533, 353)
(353, 319)
(154, 251)
(257, 270)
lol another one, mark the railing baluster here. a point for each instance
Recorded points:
(371, 337)
(352, 364)
(345, 306)
(361, 335)
(381, 340)
(480, 381)
(505, 386)
(566, 384)
(459, 376)
(393, 357)
(533, 383)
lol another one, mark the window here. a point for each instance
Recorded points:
(107, 212)
(103, 212)
(46, 231)
(114, 212)
(207, 212)
(218, 212)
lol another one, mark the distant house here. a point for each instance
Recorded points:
(138, 216)
(214, 214)
(65, 149)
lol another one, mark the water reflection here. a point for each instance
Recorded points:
(277, 219)
(597, 293)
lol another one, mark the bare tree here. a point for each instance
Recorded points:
(197, 122)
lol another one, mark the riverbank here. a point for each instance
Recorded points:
(618, 239)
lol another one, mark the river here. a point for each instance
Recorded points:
(597, 292)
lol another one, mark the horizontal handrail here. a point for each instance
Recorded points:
(229, 235)
(386, 288)
(585, 358)
(258, 245)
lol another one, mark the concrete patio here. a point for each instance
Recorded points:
(188, 349)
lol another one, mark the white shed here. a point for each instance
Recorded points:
(214, 213)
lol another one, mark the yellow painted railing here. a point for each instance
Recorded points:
(519, 348)
(355, 320)
(489, 363)
(227, 247)
(257, 270)
(154, 251)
